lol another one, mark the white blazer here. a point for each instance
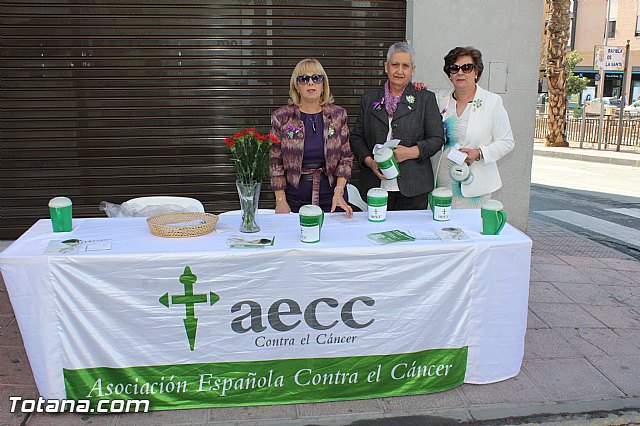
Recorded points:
(488, 129)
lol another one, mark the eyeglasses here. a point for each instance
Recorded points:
(306, 79)
(466, 68)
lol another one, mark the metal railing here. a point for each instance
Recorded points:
(586, 129)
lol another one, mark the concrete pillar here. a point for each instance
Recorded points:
(506, 32)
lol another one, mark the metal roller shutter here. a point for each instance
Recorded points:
(109, 100)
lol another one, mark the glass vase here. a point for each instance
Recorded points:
(249, 194)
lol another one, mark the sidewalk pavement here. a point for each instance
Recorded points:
(582, 352)
(590, 152)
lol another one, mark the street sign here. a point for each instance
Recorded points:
(597, 77)
(608, 58)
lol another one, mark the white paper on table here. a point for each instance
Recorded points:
(74, 246)
(457, 156)
(391, 144)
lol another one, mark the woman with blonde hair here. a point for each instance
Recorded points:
(312, 162)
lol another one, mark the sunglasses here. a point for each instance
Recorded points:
(466, 68)
(315, 79)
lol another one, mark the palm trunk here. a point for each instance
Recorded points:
(557, 35)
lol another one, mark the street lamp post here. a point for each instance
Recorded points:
(601, 82)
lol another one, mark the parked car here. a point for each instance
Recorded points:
(633, 110)
(611, 106)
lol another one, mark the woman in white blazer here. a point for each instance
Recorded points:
(477, 125)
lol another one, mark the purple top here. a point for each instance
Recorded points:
(313, 156)
(313, 144)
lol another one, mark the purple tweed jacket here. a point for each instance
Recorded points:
(286, 157)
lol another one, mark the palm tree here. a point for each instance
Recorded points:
(557, 36)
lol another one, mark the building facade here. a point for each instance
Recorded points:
(588, 21)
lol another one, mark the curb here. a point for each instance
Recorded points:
(587, 157)
(500, 413)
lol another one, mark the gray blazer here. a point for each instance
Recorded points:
(418, 123)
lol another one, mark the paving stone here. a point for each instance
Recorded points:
(569, 379)
(166, 417)
(72, 419)
(588, 294)
(598, 342)
(340, 408)
(7, 418)
(11, 335)
(547, 343)
(615, 316)
(624, 372)
(625, 295)
(623, 264)
(562, 273)
(543, 291)
(519, 389)
(264, 412)
(608, 276)
(5, 302)
(547, 259)
(588, 262)
(535, 275)
(14, 368)
(632, 336)
(634, 275)
(5, 321)
(564, 315)
(534, 322)
(402, 404)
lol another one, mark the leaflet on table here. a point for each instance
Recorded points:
(452, 234)
(74, 246)
(388, 237)
(250, 241)
(391, 144)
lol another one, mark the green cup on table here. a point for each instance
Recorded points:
(311, 220)
(60, 211)
(493, 217)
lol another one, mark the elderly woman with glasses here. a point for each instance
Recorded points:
(312, 163)
(397, 110)
(476, 128)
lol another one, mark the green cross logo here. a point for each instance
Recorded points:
(189, 300)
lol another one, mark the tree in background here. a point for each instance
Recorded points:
(575, 83)
(557, 35)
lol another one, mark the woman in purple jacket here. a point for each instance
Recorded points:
(312, 163)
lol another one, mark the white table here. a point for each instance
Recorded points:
(344, 318)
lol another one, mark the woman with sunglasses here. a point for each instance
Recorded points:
(477, 125)
(312, 163)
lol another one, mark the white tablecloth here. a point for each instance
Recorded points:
(103, 309)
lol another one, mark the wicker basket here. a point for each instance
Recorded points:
(182, 225)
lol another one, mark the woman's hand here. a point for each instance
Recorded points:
(370, 162)
(339, 201)
(418, 85)
(473, 154)
(403, 153)
(282, 207)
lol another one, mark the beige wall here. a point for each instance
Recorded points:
(504, 31)
(590, 29)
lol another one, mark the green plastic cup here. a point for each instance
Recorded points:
(311, 220)
(60, 211)
(377, 204)
(387, 163)
(440, 203)
(493, 217)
